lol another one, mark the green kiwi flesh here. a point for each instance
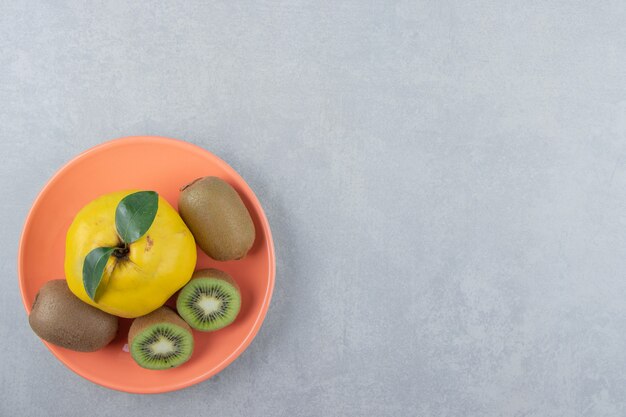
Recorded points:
(210, 301)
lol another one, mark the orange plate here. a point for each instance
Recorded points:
(163, 165)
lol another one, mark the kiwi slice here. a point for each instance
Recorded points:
(210, 301)
(160, 340)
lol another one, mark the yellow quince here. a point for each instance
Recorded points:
(139, 276)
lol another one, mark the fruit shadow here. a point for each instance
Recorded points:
(121, 338)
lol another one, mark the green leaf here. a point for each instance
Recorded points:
(93, 268)
(134, 215)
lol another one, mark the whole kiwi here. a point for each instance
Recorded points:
(60, 318)
(217, 218)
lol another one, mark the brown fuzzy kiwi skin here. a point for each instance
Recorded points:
(217, 218)
(214, 273)
(62, 319)
(161, 315)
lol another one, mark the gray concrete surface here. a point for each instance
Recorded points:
(446, 183)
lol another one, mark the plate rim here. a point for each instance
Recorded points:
(270, 249)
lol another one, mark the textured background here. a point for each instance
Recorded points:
(446, 184)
